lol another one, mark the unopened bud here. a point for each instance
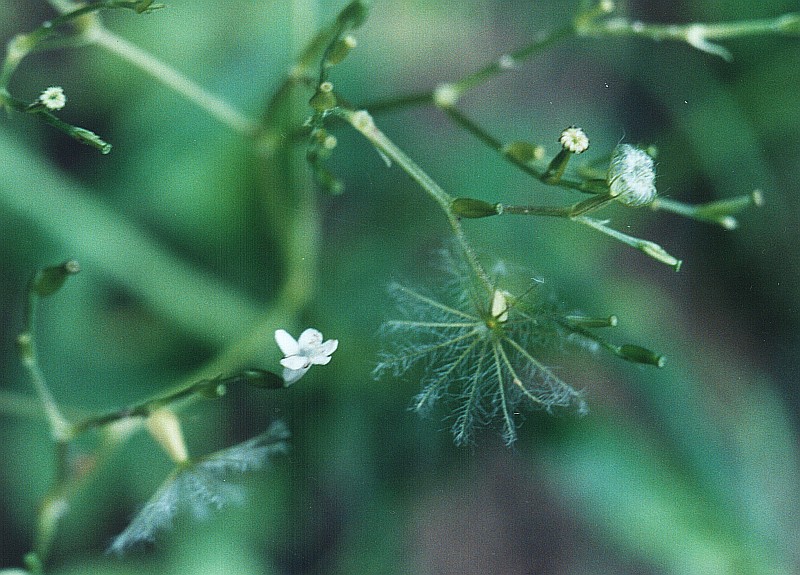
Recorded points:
(523, 152)
(638, 354)
(353, 15)
(340, 50)
(89, 138)
(165, 427)
(472, 208)
(261, 378)
(49, 280)
(324, 99)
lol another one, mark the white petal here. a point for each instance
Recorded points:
(295, 362)
(328, 347)
(310, 338)
(286, 342)
(292, 375)
(321, 359)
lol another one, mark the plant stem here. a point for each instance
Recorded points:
(363, 123)
(213, 105)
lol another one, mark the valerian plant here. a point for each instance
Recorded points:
(196, 485)
(478, 344)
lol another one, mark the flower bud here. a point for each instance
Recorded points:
(656, 252)
(582, 321)
(324, 99)
(353, 15)
(210, 389)
(523, 152)
(89, 138)
(637, 354)
(49, 280)
(262, 379)
(340, 50)
(472, 208)
(165, 427)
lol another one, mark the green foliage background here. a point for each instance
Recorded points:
(690, 469)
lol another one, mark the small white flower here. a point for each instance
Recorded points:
(300, 355)
(53, 98)
(574, 140)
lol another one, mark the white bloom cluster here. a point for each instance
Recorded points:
(574, 140)
(301, 354)
(632, 176)
(53, 98)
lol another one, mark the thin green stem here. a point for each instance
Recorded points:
(569, 212)
(718, 212)
(363, 123)
(652, 249)
(460, 119)
(508, 61)
(695, 34)
(489, 71)
(170, 77)
(23, 44)
(60, 428)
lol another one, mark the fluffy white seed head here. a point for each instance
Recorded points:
(632, 176)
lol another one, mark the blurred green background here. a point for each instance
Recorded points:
(690, 469)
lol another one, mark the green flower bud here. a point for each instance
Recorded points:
(637, 354)
(89, 138)
(353, 15)
(582, 321)
(261, 378)
(472, 208)
(324, 99)
(210, 389)
(49, 280)
(143, 6)
(656, 252)
(340, 50)
(523, 152)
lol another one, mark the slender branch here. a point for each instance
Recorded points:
(508, 154)
(652, 249)
(695, 34)
(167, 75)
(363, 123)
(719, 212)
